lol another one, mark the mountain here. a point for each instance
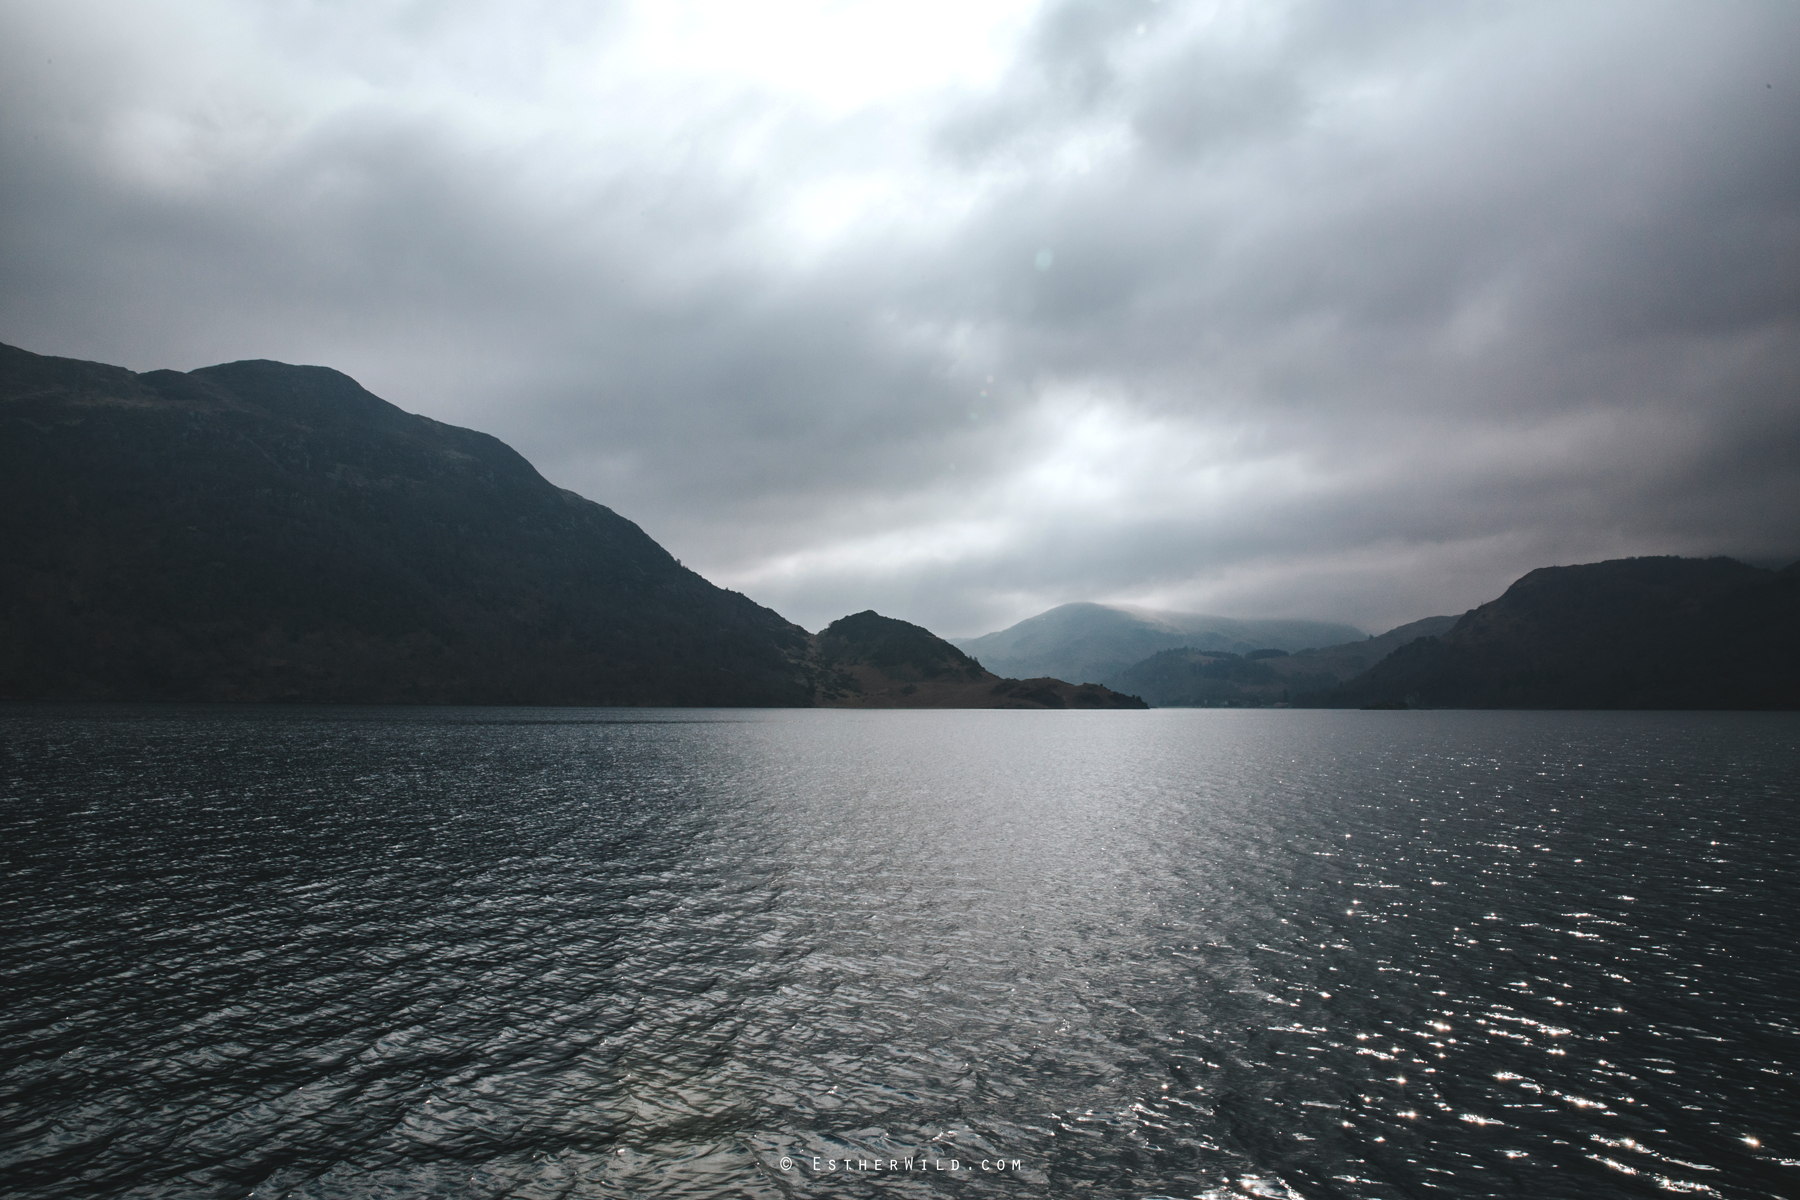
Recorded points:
(1631, 633)
(871, 661)
(263, 532)
(258, 531)
(1094, 642)
(1211, 678)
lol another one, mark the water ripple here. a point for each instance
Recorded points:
(581, 954)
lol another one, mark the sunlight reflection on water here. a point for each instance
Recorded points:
(582, 952)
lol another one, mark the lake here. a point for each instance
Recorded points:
(586, 953)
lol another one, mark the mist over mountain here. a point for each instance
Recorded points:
(1629, 633)
(1187, 677)
(1094, 642)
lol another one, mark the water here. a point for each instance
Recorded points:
(535, 953)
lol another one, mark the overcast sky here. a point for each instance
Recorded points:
(960, 310)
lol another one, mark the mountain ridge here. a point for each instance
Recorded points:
(1186, 677)
(255, 531)
(1658, 632)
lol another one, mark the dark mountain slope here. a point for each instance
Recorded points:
(1631, 633)
(256, 531)
(871, 661)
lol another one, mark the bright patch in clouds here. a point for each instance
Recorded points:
(839, 57)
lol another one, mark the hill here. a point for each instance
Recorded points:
(264, 532)
(1095, 642)
(258, 531)
(1631, 633)
(1187, 677)
(871, 661)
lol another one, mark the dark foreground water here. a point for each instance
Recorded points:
(535, 953)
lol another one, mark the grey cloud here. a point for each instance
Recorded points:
(1454, 290)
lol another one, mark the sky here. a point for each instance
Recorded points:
(962, 310)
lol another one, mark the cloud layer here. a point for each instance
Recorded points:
(961, 311)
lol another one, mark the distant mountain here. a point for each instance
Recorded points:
(1631, 633)
(871, 661)
(1094, 642)
(1212, 678)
